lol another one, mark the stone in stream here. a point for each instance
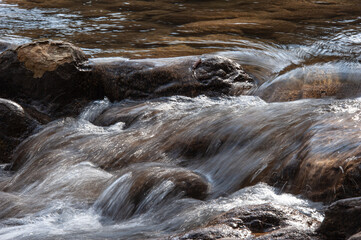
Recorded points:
(47, 72)
(149, 187)
(56, 76)
(15, 124)
(315, 81)
(189, 76)
(342, 219)
(264, 221)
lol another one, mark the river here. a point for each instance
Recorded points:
(109, 172)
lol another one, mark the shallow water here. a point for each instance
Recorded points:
(80, 176)
(116, 171)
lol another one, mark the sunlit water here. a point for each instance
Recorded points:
(77, 175)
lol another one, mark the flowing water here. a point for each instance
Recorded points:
(157, 168)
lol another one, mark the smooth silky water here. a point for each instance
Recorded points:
(80, 176)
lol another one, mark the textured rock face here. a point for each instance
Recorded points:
(263, 221)
(342, 219)
(42, 57)
(15, 126)
(190, 76)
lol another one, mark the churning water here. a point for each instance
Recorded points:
(158, 168)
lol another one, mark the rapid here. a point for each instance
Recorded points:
(159, 168)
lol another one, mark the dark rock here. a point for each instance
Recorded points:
(216, 232)
(15, 124)
(342, 219)
(48, 72)
(56, 76)
(189, 76)
(291, 233)
(265, 221)
(257, 218)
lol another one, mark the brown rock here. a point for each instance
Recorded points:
(15, 124)
(311, 82)
(342, 219)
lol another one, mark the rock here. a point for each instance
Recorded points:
(189, 76)
(144, 187)
(317, 81)
(342, 219)
(15, 124)
(291, 233)
(216, 232)
(47, 71)
(55, 75)
(264, 221)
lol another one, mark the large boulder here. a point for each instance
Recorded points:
(189, 76)
(15, 124)
(57, 76)
(48, 72)
(342, 219)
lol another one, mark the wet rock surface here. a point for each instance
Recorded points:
(265, 221)
(320, 81)
(189, 76)
(342, 219)
(16, 125)
(55, 76)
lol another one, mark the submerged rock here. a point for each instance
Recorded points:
(264, 221)
(145, 187)
(15, 124)
(189, 76)
(316, 81)
(342, 219)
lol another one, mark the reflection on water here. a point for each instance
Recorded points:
(174, 28)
